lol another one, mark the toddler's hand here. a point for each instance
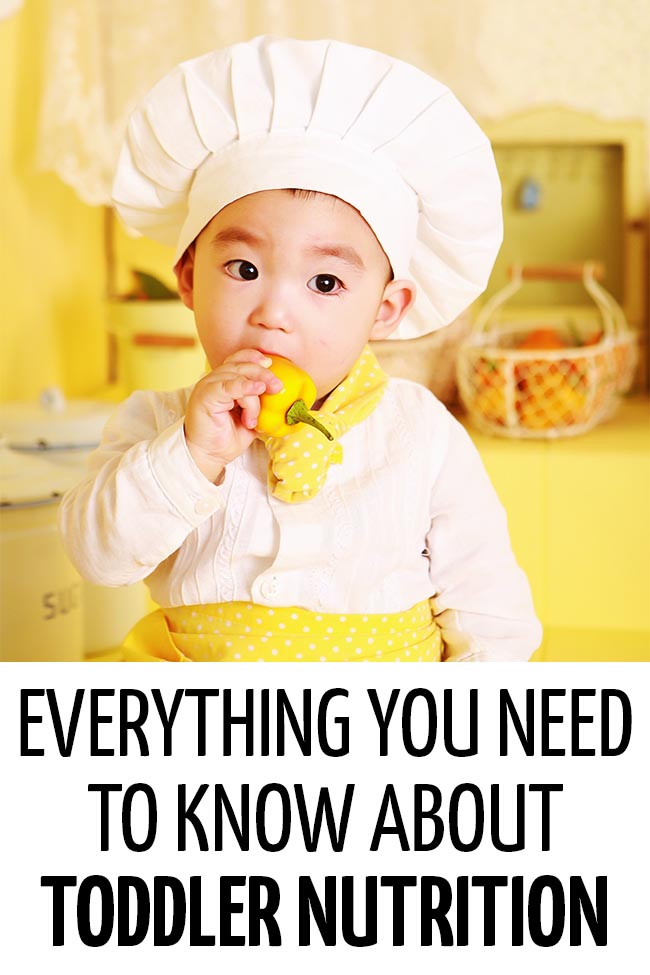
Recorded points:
(223, 408)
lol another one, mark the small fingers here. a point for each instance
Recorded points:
(250, 411)
(255, 363)
(252, 370)
(248, 355)
(244, 393)
(232, 389)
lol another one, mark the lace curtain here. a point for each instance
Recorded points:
(8, 7)
(499, 56)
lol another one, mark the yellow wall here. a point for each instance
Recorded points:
(52, 244)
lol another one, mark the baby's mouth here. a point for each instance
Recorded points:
(271, 352)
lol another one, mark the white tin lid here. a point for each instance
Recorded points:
(53, 422)
(26, 479)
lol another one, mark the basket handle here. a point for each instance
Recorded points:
(586, 272)
(499, 298)
(614, 320)
(557, 272)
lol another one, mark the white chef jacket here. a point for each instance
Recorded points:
(409, 514)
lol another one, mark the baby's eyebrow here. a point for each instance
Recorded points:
(341, 251)
(236, 235)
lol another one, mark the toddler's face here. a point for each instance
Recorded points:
(301, 276)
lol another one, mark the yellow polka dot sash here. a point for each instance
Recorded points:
(241, 632)
(299, 461)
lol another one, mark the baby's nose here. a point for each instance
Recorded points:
(273, 310)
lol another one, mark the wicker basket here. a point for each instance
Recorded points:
(520, 379)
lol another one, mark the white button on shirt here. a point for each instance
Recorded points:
(203, 507)
(410, 514)
(269, 587)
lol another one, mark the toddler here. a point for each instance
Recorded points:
(320, 196)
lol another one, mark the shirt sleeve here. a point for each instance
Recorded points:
(482, 600)
(142, 496)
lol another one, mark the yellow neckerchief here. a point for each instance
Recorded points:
(299, 461)
(242, 632)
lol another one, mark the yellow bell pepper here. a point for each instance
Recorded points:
(280, 411)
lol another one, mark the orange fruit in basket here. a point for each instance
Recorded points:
(487, 372)
(543, 338)
(549, 394)
(489, 382)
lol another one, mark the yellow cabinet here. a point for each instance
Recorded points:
(579, 516)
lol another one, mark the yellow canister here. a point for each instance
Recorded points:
(157, 344)
(41, 594)
(64, 432)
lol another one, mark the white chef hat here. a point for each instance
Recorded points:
(275, 113)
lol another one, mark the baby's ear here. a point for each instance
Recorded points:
(184, 271)
(398, 297)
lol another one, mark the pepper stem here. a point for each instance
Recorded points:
(298, 413)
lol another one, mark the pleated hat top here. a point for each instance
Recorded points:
(378, 133)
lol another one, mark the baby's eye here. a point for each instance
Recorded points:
(324, 284)
(242, 270)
